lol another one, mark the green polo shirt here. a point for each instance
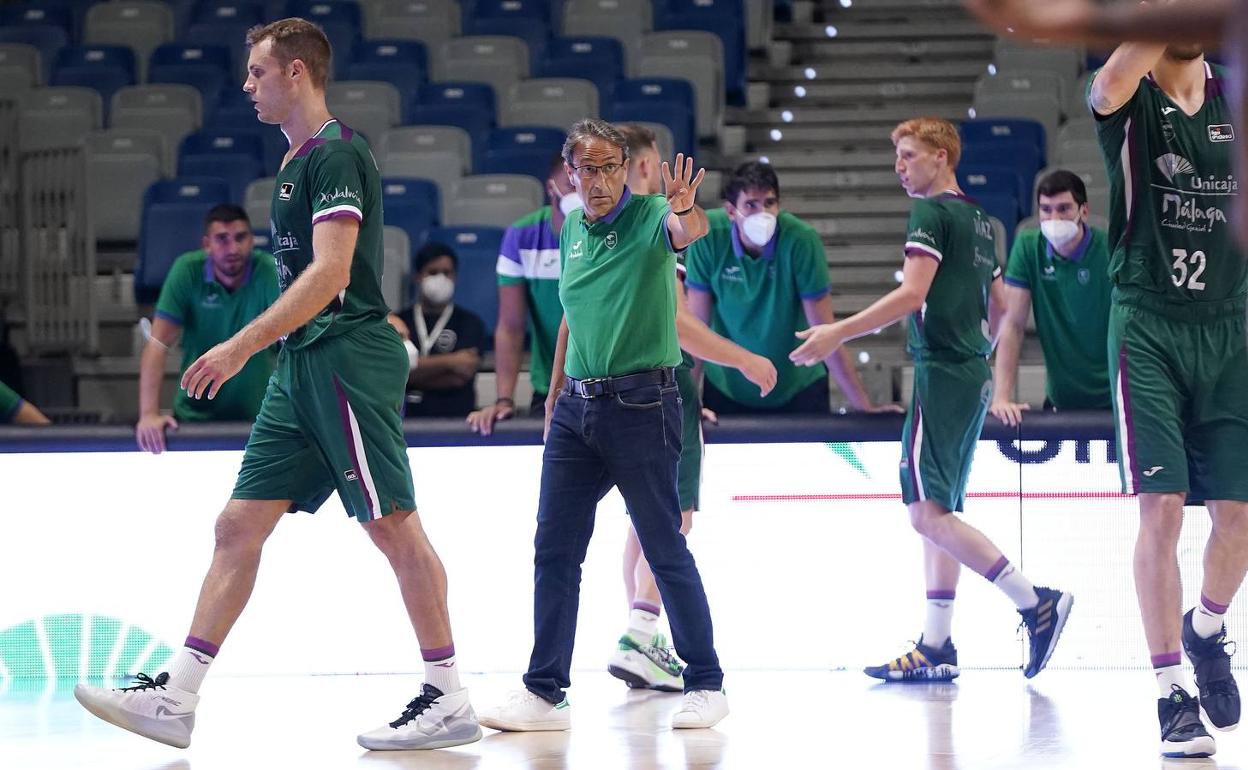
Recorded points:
(209, 314)
(1070, 297)
(758, 301)
(618, 289)
(10, 403)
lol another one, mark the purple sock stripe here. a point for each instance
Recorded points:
(1212, 606)
(653, 609)
(1167, 659)
(438, 653)
(995, 570)
(202, 645)
(942, 595)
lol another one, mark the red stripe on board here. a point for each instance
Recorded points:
(897, 496)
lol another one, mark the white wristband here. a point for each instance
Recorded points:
(413, 354)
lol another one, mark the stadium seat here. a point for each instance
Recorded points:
(538, 10)
(984, 181)
(624, 20)
(1043, 108)
(724, 18)
(598, 59)
(1078, 152)
(206, 68)
(20, 68)
(1082, 128)
(396, 266)
(469, 106)
(235, 11)
(173, 217)
(982, 130)
(230, 33)
(494, 200)
(535, 33)
(140, 24)
(401, 63)
(45, 38)
(1001, 206)
(432, 22)
(695, 56)
(1021, 157)
(105, 68)
(667, 101)
(258, 200)
(235, 157)
(1065, 63)
(521, 150)
(498, 61)
(340, 20)
(1012, 82)
(554, 102)
(476, 287)
(121, 165)
(38, 14)
(440, 153)
(57, 116)
(237, 113)
(368, 107)
(412, 205)
(173, 110)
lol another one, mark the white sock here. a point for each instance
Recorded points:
(188, 669)
(1168, 676)
(1016, 586)
(643, 622)
(1206, 622)
(442, 672)
(937, 628)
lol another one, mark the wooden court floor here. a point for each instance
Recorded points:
(1098, 720)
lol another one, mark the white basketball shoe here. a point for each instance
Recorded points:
(701, 709)
(152, 708)
(525, 712)
(651, 666)
(431, 721)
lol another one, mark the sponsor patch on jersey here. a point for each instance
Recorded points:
(285, 192)
(1223, 132)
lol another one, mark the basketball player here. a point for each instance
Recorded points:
(953, 295)
(330, 419)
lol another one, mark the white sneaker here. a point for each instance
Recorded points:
(431, 721)
(525, 712)
(700, 709)
(647, 666)
(152, 708)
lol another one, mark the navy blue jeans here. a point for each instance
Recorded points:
(630, 440)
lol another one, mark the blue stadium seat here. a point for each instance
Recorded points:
(232, 156)
(534, 32)
(173, 218)
(983, 130)
(102, 67)
(411, 204)
(340, 20)
(980, 180)
(230, 33)
(538, 10)
(206, 68)
(262, 238)
(725, 18)
(402, 63)
(657, 100)
(469, 106)
(1003, 207)
(38, 13)
(520, 150)
(237, 11)
(1021, 156)
(47, 38)
(598, 59)
(476, 288)
(237, 114)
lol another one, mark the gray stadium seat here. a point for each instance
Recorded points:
(440, 153)
(257, 200)
(1077, 100)
(1066, 63)
(396, 264)
(1077, 130)
(493, 59)
(429, 21)
(1044, 108)
(1014, 82)
(663, 138)
(173, 110)
(55, 117)
(556, 102)
(121, 165)
(695, 56)
(625, 20)
(140, 24)
(20, 67)
(492, 199)
(368, 107)
(1078, 152)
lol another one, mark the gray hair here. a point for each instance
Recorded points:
(593, 128)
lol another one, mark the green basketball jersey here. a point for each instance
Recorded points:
(953, 322)
(333, 174)
(1172, 186)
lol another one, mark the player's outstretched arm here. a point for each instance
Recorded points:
(333, 243)
(1083, 21)
(1118, 80)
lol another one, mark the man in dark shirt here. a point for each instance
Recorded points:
(449, 339)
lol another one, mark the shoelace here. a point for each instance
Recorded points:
(1184, 704)
(145, 682)
(419, 705)
(695, 700)
(665, 654)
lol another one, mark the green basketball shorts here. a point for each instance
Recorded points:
(942, 428)
(689, 481)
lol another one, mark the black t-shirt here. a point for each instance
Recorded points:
(464, 330)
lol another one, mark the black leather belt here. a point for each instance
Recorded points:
(605, 386)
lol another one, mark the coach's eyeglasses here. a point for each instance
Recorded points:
(589, 172)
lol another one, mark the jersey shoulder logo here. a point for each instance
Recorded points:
(286, 190)
(1223, 132)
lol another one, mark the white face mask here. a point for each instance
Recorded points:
(437, 289)
(571, 202)
(759, 228)
(1059, 232)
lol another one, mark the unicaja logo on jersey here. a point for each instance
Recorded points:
(1172, 165)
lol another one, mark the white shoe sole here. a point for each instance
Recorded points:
(700, 725)
(1063, 612)
(398, 745)
(1194, 749)
(508, 726)
(135, 723)
(1208, 721)
(625, 672)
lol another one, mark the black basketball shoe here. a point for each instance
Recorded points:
(1219, 695)
(1044, 624)
(1183, 735)
(922, 664)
